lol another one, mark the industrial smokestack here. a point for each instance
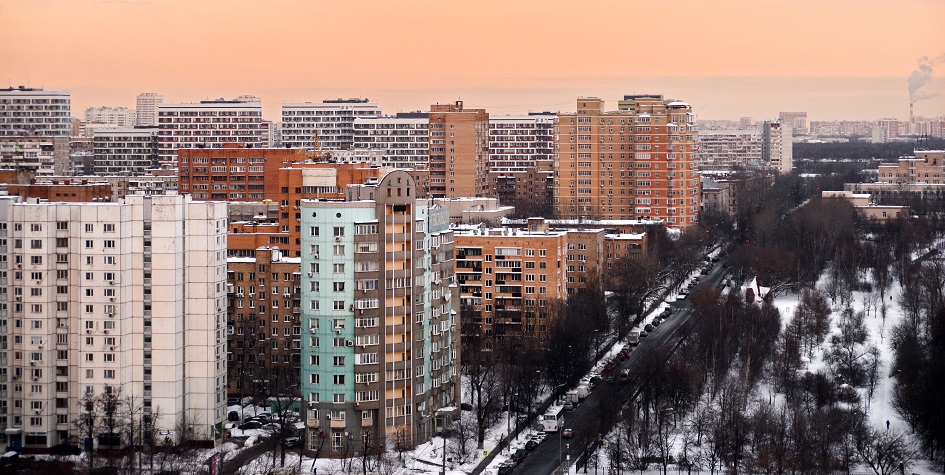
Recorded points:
(911, 113)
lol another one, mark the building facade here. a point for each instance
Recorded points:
(114, 116)
(729, 147)
(403, 140)
(125, 150)
(232, 172)
(332, 120)
(459, 151)
(380, 345)
(42, 156)
(796, 121)
(35, 112)
(263, 324)
(208, 124)
(112, 296)
(637, 162)
(146, 110)
(777, 146)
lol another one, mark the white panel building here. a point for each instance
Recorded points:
(403, 140)
(115, 116)
(35, 112)
(146, 111)
(517, 142)
(333, 120)
(99, 297)
(208, 124)
(777, 146)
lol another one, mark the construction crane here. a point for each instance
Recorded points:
(317, 154)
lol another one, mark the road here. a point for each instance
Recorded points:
(586, 419)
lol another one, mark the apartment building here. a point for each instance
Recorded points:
(637, 162)
(146, 110)
(41, 156)
(521, 153)
(76, 191)
(777, 146)
(263, 326)
(124, 150)
(380, 332)
(509, 279)
(795, 121)
(114, 116)
(232, 172)
(726, 148)
(26, 111)
(208, 124)
(459, 151)
(333, 121)
(403, 139)
(99, 297)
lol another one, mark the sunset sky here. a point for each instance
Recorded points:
(837, 59)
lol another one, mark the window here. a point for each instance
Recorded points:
(338, 231)
(338, 398)
(338, 379)
(36, 260)
(338, 286)
(338, 268)
(36, 244)
(109, 244)
(109, 228)
(109, 374)
(338, 305)
(338, 360)
(89, 228)
(338, 250)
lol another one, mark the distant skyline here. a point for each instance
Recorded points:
(843, 59)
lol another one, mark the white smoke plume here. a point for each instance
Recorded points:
(921, 77)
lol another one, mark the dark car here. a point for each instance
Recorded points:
(531, 445)
(666, 312)
(595, 380)
(609, 366)
(251, 425)
(644, 333)
(657, 321)
(505, 469)
(621, 356)
(567, 433)
(233, 416)
(648, 328)
(518, 456)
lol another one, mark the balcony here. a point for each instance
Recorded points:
(337, 424)
(312, 422)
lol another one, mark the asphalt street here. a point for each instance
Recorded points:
(586, 419)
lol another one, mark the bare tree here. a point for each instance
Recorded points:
(88, 424)
(884, 451)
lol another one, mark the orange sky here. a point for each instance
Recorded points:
(834, 59)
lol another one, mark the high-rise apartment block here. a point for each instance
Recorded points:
(35, 112)
(636, 162)
(777, 146)
(124, 150)
(146, 111)
(459, 151)
(208, 124)
(332, 120)
(729, 147)
(115, 116)
(379, 316)
(796, 121)
(100, 297)
(521, 154)
(403, 140)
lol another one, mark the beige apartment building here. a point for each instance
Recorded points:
(459, 151)
(637, 162)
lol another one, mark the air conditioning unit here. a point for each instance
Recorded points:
(16, 378)
(88, 331)
(18, 298)
(111, 282)
(41, 347)
(240, 294)
(39, 282)
(338, 331)
(106, 332)
(32, 363)
(36, 379)
(311, 274)
(112, 348)
(338, 238)
(111, 315)
(349, 343)
(351, 308)
(315, 256)
(111, 299)
(37, 411)
(287, 295)
(252, 294)
(312, 330)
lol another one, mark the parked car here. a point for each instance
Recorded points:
(531, 445)
(518, 456)
(657, 321)
(643, 334)
(649, 328)
(682, 295)
(595, 380)
(567, 433)
(568, 406)
(233, 416)
(251, 425)
(505, 469)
